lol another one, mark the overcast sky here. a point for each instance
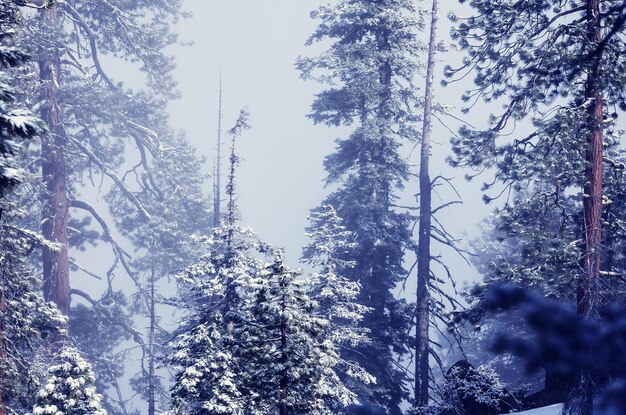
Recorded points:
(281, 176)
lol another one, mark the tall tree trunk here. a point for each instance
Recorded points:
(217, 191)
(3, 352)
(589, 294)
(151, 357)
(422, 338)
(55, 203)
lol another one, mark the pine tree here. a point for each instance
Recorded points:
(557, 67)
(291, 364)
(553, 72)
(335, 294)
(91, 119)
(369, 67)
(204, 350)
(253, 341)
(105, 136)
(69, 388)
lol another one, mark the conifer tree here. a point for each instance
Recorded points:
(554, 69)
(70, 388)
(336, 295)
(115, 140)
(369, 69)
(557, 67)
(291, 364)
(91, 119)
(204, 351)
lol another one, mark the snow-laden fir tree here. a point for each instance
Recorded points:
(336, 295)
(214, 293)
(292, 365)
(69, 388)
(368, 68)
(253, 342)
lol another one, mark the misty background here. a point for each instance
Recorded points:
(281, 177)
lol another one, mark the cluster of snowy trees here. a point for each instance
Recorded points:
(259, 337)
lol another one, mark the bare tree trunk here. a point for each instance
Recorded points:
(55, 203)
(589, 287)
(422, 338)
(217, 191)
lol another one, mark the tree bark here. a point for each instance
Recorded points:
(55, 201)
(422, 338)
(151, 357)
(3, 353)
(589, 289)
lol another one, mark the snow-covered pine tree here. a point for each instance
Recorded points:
(214, 292)
(291, 364)
(557, 67)
(91, 119)
(336, 295)
(70, 387)
(205, 350)
(369, 68)
(549, 64)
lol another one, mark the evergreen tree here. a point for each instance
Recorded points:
(291, 365)
(556, 66)
(205, 352)
(70, 388)
(369, 68)
(91, 119)
(335, 294)
(215, 289)
(550, 65)
(105, 136)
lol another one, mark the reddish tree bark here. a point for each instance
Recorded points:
(3, 409)
(422, 337)
(589, 289)
(55, 202)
